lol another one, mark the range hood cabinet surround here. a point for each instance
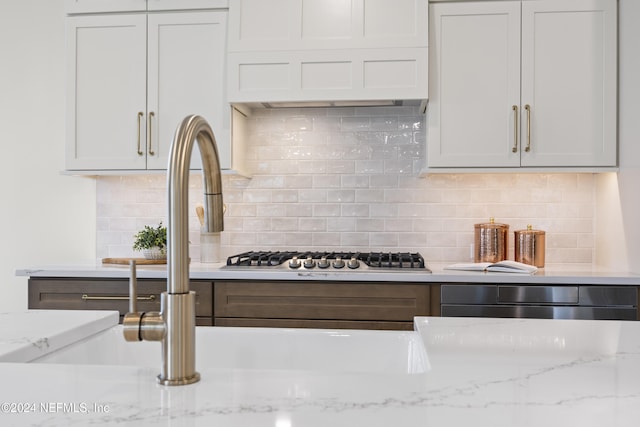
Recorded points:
(318, 56)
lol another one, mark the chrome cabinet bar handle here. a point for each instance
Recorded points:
(515, 129)
(527, 107)
(149, 149)
(86, 297)
(140, 114)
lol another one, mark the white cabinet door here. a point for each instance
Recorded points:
(522, 84)
(130, 83)
(474, 84)
(569, 82)
(185, 4)
(95, 6)
(186, 76)
(106, 92)
(107, 6)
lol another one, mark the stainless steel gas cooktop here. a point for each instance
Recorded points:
(345, 261)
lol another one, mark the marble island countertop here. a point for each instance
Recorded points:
(218, 271)
(28, 335)
(481, 372)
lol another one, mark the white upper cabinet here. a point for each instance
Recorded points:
(96, 6)
(105, 6)
(522, 84)
(132, 78)
(106, 92)
(186, 76)
(186, 4)
(327, 50)
(569, 75)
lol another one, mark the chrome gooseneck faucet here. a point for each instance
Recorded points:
(175, 324)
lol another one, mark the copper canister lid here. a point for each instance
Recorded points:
(492, 224)
(491, 241)
(529, 246)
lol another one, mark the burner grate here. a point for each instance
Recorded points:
(394, 260)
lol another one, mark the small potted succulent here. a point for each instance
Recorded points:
(152, 242)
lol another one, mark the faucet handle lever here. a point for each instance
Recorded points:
(133, 287)
(132, 320)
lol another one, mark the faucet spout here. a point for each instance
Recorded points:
(175, 324)
(179, 303)
(192, 129)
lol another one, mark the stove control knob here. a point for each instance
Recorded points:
(294, 263)
(309, 263)
(323, 263)
(338, 263)
(353, 263)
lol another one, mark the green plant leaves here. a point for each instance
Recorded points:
(150, 237)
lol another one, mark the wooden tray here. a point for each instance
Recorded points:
(139, 261)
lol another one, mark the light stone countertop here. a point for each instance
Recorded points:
(482, 372)
(218, 271)
(27, 335)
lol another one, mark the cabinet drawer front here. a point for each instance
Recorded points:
(315, 324)
(321, 300)
(87, 294)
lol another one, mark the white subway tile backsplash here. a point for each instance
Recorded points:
(341, 224)
(355, 210)
(350, 124)
(341, 167)
(298, 210)
(346, 178)
(354, 240)
(397, 224)
(284, 224)
(300, 241)
(384, 240)
(271, 210)
(312, 196)
(369, 196)
(326, 209)
(326, 241)
(312, 224)
(369, 166)
(326, 181)
(377, 210)
(256, 224)
(284, 196)
(341, 196)
(369, 224)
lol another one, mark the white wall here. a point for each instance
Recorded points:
(618, 202)
(46, 218)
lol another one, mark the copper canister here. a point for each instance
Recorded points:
(491, 241)
(529, 246)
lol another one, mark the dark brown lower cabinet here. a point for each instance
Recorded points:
(290, 304)
(344, 305)
(112, 294)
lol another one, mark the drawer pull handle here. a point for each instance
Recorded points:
(86, 297)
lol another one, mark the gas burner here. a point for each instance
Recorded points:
(309, 260)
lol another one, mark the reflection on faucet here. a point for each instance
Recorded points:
(175, 324)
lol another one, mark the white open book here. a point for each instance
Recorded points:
(506, 266)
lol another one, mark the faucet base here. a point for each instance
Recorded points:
(179, 343)
(180, 381)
